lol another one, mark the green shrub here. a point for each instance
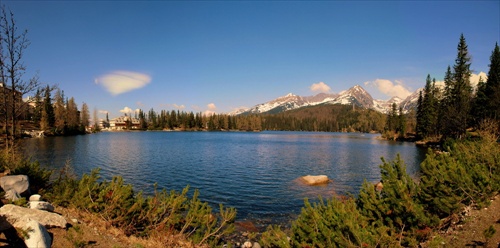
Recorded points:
(333, 223)
(163, 212)
(274, 236)
(396, 206)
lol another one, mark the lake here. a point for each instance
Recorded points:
(255, 172)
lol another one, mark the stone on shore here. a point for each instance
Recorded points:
(315, 180)
(41, 205)
(35, 197)
(15, 184)
(18, 217)
(38, 236)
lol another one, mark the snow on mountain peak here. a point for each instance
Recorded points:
(355, 95)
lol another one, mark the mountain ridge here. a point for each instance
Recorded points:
(356, 96)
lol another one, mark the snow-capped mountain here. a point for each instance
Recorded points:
(288, 102)
(411, 101)
(354, 96)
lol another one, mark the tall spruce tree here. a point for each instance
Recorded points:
(427, 109)
(493, 85)
(480, 105)
(458, 93)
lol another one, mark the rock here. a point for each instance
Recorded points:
(247, 244)
(35, 197)
(256, 245)
(18, 217)
(315, 180)
(37, 235)
(17, 183)
(12, 195)
(41, 205)
(379, 186)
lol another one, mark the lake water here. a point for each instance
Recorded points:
(254, 172)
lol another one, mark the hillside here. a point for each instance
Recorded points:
(326, 117)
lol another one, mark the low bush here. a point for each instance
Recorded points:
(164, 212)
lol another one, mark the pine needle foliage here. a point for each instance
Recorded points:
(332, 223)
(162, 213)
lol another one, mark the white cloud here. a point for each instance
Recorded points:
(389, 88)
(211, 106)
(128, 110)
(320, 87)
(119, 82)
(178, 106)
(211, 109)
(474, 78)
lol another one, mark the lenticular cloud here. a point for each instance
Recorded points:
(119, 82)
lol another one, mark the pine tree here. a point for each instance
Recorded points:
(59, 111)
(458, 92)
(427, 116)
(48, 118)
(401, 123)
(84, 117)
(72, 116)
(493, 85)
(480, 106)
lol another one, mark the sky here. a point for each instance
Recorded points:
(217, 56)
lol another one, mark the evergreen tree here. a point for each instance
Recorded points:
(480, 107)
(85, 116)
(59, 111)
(493, 85)
(48, 118)
(38, 108)
(427, 109)
(72, 116)
(458, 92)
(401, 123)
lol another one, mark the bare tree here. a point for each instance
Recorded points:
(12, 70)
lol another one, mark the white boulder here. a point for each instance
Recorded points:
(16, 183)
(37, 235)
(18, 217)
(35, 197)
(41, 205)
(315, 180)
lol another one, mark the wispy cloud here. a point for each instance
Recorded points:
(387, 87)
(180, 107)
(320, 87)
(119, 82)
(103, 112)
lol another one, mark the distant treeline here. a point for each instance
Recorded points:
(323, 118)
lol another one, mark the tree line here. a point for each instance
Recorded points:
(58, 115)
(447, 112)
(324, 118)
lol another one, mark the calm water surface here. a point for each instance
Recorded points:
(254, 172)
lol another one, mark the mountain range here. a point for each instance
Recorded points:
(356, 96)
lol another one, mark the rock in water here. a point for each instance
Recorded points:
(315, 180)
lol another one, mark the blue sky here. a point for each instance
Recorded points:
(218, 56)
